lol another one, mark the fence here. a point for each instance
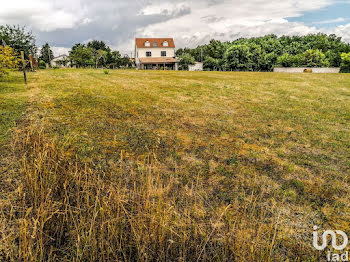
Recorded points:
(317, 70)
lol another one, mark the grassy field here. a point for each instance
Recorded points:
(172, 166)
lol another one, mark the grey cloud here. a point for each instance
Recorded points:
(212, 19)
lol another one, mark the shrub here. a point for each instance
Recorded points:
(8, 60)
(345, 62)
(315, 58)
(106, 72)
(42, 64)
(310, 58)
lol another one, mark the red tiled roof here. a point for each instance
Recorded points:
(157, 60)
(140, 42)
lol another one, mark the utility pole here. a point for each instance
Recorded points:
(24, 67)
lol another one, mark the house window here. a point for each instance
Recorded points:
(147, 43)
(155, 44)
(165, 43)
(163, 53)
(148, 54)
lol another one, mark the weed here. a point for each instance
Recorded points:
(171, 166)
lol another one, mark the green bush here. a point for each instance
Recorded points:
(345, 62)
(106, 72)
(42, 64)
(310, 58)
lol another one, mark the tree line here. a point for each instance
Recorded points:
(97, 54)
(244, 54)
(265, 53)
(93, 54)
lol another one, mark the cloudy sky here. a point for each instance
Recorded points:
(62, 23)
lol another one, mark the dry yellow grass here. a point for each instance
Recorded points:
(175, 166)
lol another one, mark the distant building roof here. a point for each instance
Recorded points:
(155, 42)
(151, 60)
(59, 57)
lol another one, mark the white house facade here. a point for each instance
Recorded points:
(60, 61)
(155, 54)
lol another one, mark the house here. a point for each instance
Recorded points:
(60, 61)
(198, 66)
(155, 53)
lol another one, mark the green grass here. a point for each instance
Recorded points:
(12, 104)
(189, 166)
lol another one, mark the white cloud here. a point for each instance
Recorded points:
(331, 21)
(227, 20)
(43, 15)
(57, 51)
(164, 9)
(192, 22)
(343, 31)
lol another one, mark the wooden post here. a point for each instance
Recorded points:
(31, 63)
(24, 67)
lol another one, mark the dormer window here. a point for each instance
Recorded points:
(155, 44)
(147, 44)
(165, 43)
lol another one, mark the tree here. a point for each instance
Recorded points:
(97, 45)
(237, 57)
(81, 56)
(125, 62)
(185, 61)
(8, 60)
(285, 60)
(19, 39)
(113, 59)
(214, 49)
(315, 58)
(179, 52)
(268, 61)
(211, 63)
(46, 54)
(345, 62)
(263, 53)
(99, 55)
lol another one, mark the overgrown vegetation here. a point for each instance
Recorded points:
(345, 64)
(13, 99)
(185, 61)
(97, 54)
(8, 60)
(263, 53)
(175, 166)
(19, 39)
(46, 55)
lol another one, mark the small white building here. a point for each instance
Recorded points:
(155, 53)
(60, 61)
(198, 66)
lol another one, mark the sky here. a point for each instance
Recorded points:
(63, 23)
